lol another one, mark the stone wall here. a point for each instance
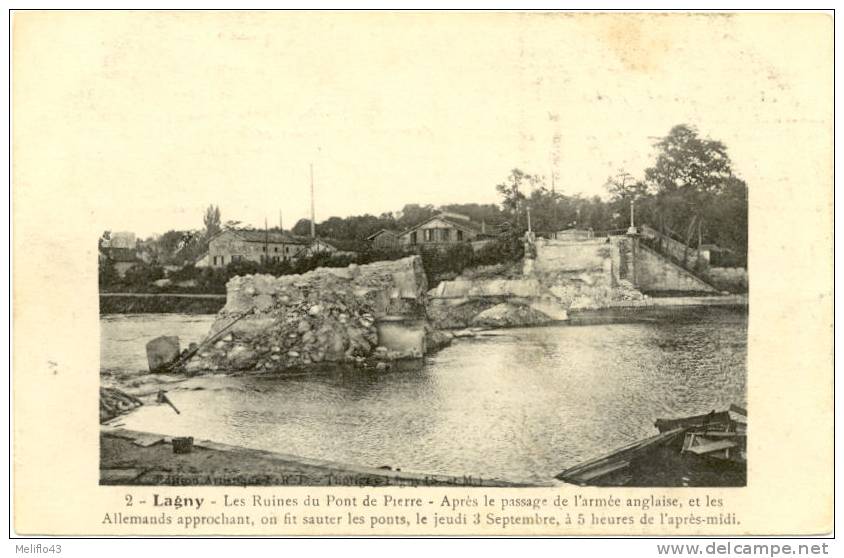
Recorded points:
(325, 315)
(571, 256)
(655, 273)
(566, 276)
(732, 279)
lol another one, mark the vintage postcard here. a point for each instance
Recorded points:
(422, 273)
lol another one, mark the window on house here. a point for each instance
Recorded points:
(275, 249)
(413, 237)
(446, 233)
(236, 258)
(459, 235)
(429, 235)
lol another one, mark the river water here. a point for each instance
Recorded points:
(522, 405)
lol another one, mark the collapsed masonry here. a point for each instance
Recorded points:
(565, 277)
(325, 315)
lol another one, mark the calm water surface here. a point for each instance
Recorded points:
(522, 406)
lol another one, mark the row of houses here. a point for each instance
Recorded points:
(230, 245)
(263, 246)
(442, 230)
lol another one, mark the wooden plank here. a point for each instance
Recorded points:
(709, 447)
(739, 410)
(606, 470)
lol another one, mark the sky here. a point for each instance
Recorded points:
(154, 116)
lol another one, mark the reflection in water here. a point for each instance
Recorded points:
(520, 406)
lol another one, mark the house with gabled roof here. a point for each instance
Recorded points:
(443, 230)
(233, 245)
(384, 239)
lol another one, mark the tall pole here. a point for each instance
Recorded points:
(266, 257)
(528, 218)
(313, 224)
(554, 197)
(632, 203)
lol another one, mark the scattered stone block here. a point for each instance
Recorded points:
(161, 351)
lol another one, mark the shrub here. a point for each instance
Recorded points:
(107, 276)
(212, 280)
(504, 249)
(141, 275)
(186, 273)
(449, 261)
(370, 255)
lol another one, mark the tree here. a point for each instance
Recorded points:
(166, 246)
(548, 210)
(107, 275)
(302, 227)
(212, 221)
(104, 240)
(514, 197)
(412, 214)
(624, 190)
(727, 215)
(623, 186)
(689, 173)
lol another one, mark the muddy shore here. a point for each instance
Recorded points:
(129, 458)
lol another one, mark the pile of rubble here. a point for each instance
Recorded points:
(584, 291)
(325, 315)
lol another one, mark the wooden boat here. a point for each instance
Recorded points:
(709, 448)
(618, 460)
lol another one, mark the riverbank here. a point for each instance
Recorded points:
(129, 458)
(656, 309)
(163, 303)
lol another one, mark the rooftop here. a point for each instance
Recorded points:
(256, 235)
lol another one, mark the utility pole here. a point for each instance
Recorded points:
(280, 221)
(266, 256)
(528, 219)
(313, 224)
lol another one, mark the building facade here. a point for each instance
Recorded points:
(385, 240)
(252, 245)
(442, 230)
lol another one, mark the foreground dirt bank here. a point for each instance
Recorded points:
(137, 458)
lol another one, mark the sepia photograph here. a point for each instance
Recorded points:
(364, 301)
